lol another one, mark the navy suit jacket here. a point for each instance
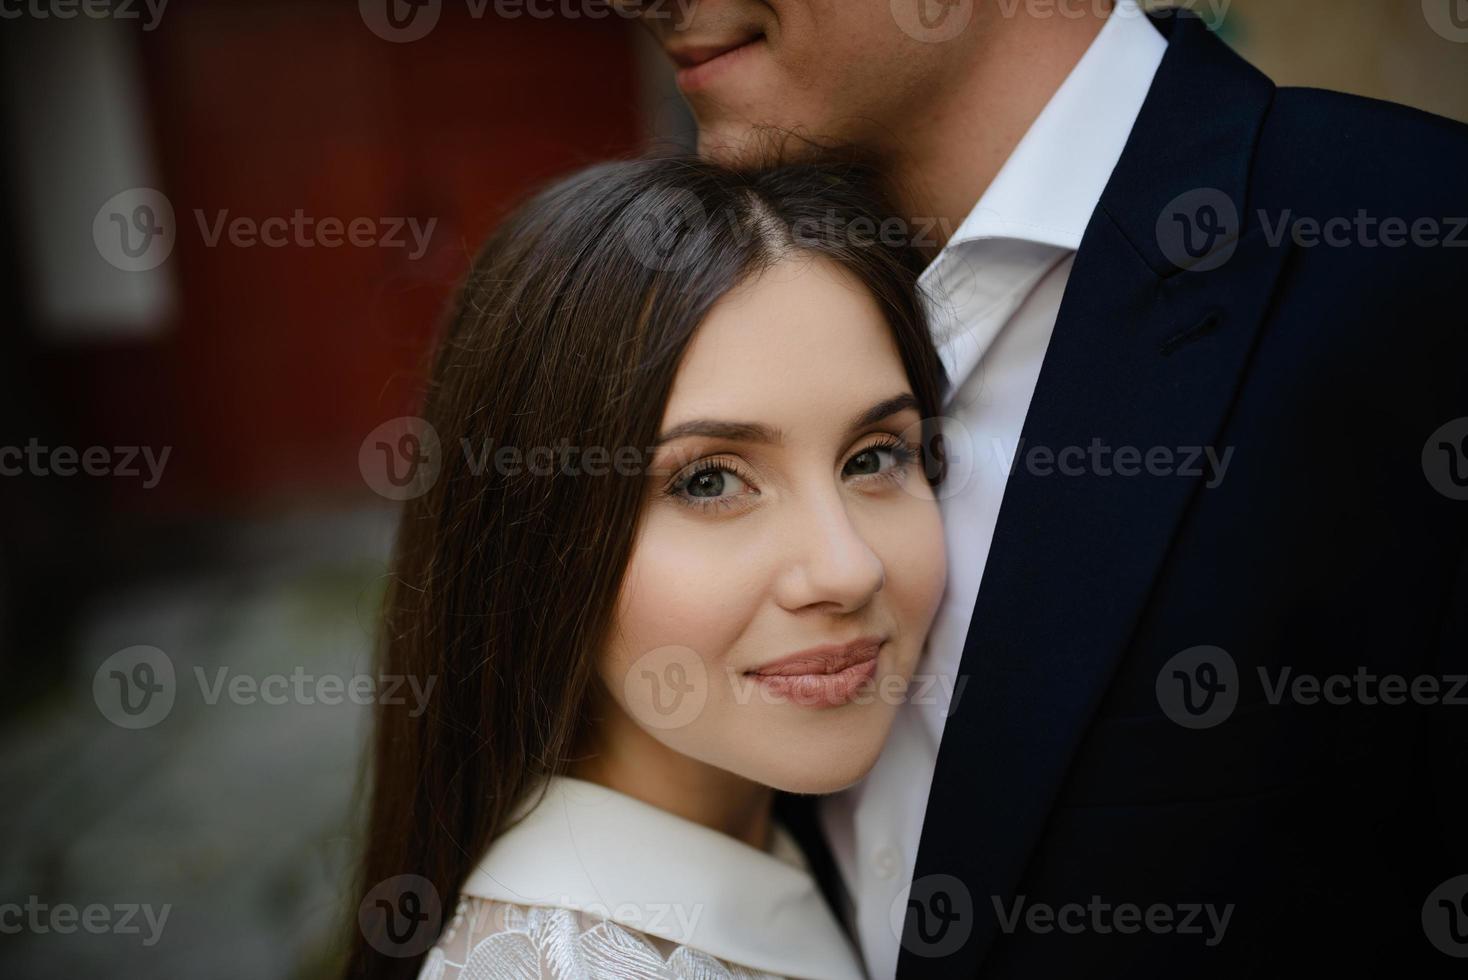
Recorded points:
(1134, 730)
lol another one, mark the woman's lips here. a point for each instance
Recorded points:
(698, 66)
(821, 676)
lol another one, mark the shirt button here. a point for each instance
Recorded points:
(886, 862)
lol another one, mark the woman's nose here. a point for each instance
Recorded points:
(826, 559)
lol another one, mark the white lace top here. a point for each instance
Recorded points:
(593, 884)
(489, 940)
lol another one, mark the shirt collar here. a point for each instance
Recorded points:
(593, 849)
(1050, 185)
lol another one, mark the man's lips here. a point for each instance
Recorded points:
(692, 55)
(698, 63)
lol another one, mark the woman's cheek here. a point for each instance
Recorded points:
(915, 560)
(688, 597)
(933, 556)
(684, 586)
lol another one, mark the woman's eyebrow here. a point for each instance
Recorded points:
(883, 408)
(758, 432)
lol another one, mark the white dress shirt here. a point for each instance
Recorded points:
(996, 289)
(634, 873)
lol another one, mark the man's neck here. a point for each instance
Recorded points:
(942, 166)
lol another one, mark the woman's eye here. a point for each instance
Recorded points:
(866, 461)
(711, 484)
(878, 459)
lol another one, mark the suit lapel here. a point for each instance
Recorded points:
(1161, 312)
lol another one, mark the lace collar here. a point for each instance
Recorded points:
(593, 849)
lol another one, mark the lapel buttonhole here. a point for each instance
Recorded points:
(1209, 323)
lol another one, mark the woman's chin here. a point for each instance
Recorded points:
(822, 784)
(819, 773)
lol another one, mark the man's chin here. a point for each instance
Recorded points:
(743, 145)
(732, 146)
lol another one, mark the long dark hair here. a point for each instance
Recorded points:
(568, 330)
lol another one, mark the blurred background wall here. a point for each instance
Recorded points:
(1384, 49)
(251, 375)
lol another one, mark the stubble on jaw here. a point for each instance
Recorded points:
(764, 145)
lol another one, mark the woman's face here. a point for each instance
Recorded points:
(790, 557)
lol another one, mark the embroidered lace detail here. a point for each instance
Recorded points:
(490, 940)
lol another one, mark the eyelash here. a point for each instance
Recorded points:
(904, 454)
